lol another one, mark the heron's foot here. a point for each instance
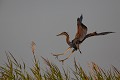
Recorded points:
(56, 55)
(63, 60)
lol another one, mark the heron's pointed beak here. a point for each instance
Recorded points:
(63, 33)
(58, 35)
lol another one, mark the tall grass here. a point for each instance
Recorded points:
(14, 70)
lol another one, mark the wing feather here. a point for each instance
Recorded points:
(95, 34)
(81, 30)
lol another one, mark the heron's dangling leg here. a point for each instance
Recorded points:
(61, 53)
(77, 45)
(68, 56)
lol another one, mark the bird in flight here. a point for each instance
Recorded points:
(80, 36)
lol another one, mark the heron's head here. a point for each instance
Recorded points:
(63, 33)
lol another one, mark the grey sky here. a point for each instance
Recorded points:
(23, 21)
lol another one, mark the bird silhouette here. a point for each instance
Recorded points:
(80, 36)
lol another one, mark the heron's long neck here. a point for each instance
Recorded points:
(67, 39)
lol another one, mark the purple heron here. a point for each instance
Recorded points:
(80, 36)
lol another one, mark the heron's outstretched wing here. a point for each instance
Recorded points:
(81, 29)
(96, 34)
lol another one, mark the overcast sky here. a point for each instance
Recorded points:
(23, 21)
